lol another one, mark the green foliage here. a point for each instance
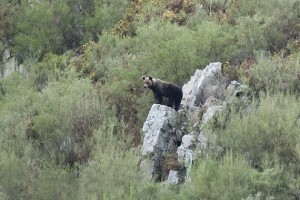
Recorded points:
(54, 183)
(13, 176)
(246, 8)
(67, 110)
(106, 14)
(268, 133)
(277, 183)
(276, 73)
(127, 25)
(268, 32)
(228, 178)
(282, 27)
(7, 25)
(16, 103)
(250, 34)
(51, 68)
(109, 175)
(221, 41)
(165, 59)
(40, 26)
(26, 178)
(113, 68)
(56, 26)
(180, 50)
(200, 16)
(70, 123)
(100, 58)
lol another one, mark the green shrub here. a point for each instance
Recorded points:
(250, 34)
(165, 48)
(40, 27)
(200, 16)
(282, 27)
(249, 8)
(51, 68)
(228, 178)
(275, 183)
(259, 28)
(67, 109)
(16, 103)
(268, 133)
(57, 26)
(173, 53)
(7, 22)
(167, 51)
(54, 183)
(27, 177)
(276, 73)
(100, 58)
(112, 174)
(13, 177)
(105, 15)
(116, 73)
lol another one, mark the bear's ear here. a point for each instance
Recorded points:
(150, 77)
(143, 77)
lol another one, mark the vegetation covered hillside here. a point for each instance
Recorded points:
(70, 120)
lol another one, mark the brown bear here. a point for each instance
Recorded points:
(162, 89)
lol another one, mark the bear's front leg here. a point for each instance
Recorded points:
(159, 98)
(171, 102)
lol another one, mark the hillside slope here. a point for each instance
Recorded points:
(73, 104)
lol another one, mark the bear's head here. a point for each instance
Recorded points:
(148, 81)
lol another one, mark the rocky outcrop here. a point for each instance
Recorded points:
(169, 149)
(204, 84)
(10, 65)
(157, 128)
(160, 140)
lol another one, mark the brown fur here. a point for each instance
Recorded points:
(162, 89)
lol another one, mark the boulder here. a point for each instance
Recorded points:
(173, 177)
(212, 106)
(203, 84)
(160, 138)
(6, 55)
(10, 64)
(185, 152)
(235, 89)
(157, 129)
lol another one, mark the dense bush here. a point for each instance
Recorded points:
(229, 178)
(40, 27)
(275, 73)
(266, 134)
(7, 25)
(174, 58)
(15, 110)
(110, 174)
(56, 26)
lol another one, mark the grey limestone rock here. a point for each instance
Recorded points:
(203, 97)
(160, 138)
(203, 84)
(157, 127)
